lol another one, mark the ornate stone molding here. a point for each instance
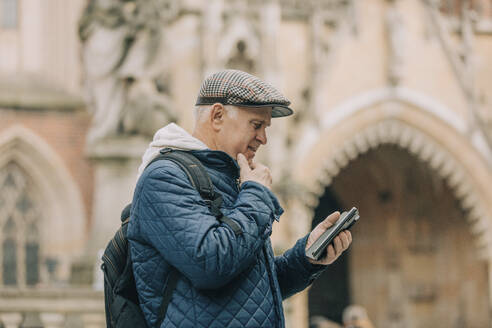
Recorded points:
(441, 30)
(28, 91)
(296, 9)
(395, 132)
(462, 59)
(231, 37)
(240, 45)
(303, 9)
(395, 33)
(429, 105)
(330, 22)
(483, 26)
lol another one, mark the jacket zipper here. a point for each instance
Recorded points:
(113, 268)
(272, 283)
(118, 250)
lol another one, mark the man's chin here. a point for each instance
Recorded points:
(249, 158)
(250, 155)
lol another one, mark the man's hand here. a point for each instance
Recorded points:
(341, 242)
(254, 172)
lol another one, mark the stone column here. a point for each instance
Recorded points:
(52, 319)
(212, 26)
(94, 320)
(116, 164)
(490, 289)
(11, 319)
(297, 311)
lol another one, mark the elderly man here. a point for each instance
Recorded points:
(225, 279)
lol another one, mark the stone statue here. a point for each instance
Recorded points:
(123, 65)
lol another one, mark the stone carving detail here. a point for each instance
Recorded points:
(241, 60)
(420, 234)
(395, 32)
(148, 106)
(461, 56)
(296, 8)
(485, 118)
(303, 9)
(422, 292)
(321, 40)
(240, 44)
(328, 22)
(125, 85)
(232, 38)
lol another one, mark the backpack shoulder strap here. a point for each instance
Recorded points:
(201, 181)
(193, 168)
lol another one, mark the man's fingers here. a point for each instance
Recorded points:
(337, 242)
(322, 226)
(330, 252)
(242, 162)
(346, 237)
(330, 220)
(344, 240)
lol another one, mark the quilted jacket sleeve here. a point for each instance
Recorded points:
(169, 214)
(294, 271)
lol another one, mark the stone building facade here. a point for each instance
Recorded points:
(393, 115)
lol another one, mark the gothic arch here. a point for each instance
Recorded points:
(63, 230)
(393, 127)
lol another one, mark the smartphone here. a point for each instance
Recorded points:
(346, 220)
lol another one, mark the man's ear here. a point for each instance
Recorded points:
(217, 115)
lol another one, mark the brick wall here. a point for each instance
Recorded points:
(65, 132)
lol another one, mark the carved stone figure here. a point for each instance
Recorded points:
(121, 41)
(147, 108)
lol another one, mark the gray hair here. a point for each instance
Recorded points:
(201, 112)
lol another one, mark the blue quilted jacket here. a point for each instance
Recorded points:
(226, 280)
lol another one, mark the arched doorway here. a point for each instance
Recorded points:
(413, 262)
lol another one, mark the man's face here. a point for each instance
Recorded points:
(246, 132)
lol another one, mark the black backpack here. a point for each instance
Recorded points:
(120, 294)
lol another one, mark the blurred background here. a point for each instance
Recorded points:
(393, 105)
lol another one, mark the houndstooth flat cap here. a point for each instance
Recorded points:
(233, 87)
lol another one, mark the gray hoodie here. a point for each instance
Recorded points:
(171, 136)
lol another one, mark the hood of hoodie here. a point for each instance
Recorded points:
(170, 136)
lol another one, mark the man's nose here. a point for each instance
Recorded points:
(262, 136)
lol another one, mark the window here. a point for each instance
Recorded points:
(9, 14)
(9, 257)
(19, 232)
